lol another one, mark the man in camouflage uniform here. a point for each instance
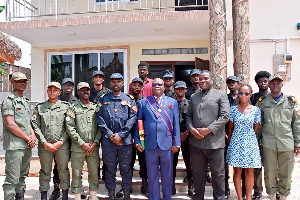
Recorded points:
(19, 138)
(67, 86)
(50, 128)
(83, 129)
(280, 137)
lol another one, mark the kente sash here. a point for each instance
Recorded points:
(162, 114)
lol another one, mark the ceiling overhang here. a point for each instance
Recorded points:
(125, 28)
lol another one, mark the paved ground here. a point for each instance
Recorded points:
(33, 193)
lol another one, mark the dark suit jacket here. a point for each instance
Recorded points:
(209, 109)
(156, 132)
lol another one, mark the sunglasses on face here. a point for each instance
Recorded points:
(168, 79)
(244, 94)
(157, 84)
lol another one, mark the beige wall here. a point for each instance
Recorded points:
(38, 88)
(270, 20)
(40, 77)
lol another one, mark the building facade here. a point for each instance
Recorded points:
(72, 38)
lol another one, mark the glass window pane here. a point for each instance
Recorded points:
(85, 64)
(111, 63)
(61, 67)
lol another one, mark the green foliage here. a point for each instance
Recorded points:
(2, 72)
(2, 8)
(60, 69)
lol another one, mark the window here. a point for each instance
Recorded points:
(80, 65)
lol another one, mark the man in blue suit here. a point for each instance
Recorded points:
(160, 116)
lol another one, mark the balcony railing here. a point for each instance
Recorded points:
(20, 10)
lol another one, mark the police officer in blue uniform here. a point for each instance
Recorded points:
(116, 114)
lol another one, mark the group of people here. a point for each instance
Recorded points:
(155, 120)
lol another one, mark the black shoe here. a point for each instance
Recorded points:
(120, 194)
(185, 180)
(19, 196)
(227, 193)
(111, 195)
(83, 195)
(56, 191)
(144, 188)
(44, 195)
(191, 188)
(65, 194)
(126, 194)
(277, 196)
(208, 178)
(257, 196)
(173, 188)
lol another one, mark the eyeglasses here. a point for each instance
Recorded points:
(157, 84)
(244, 94)
(168, 78)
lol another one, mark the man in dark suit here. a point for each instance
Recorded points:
(160, 116)
(207, 115)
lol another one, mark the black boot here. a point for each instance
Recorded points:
(111, 195)
(44, 195)
(144, 188)
(83, 195)
(56, 191)
(191, 188)
(173, 188)
(208, 178)
(65, 194)
(19, 196)
(126, 194)
(120, 194)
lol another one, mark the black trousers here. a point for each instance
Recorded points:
(185, 148)
(142, 162)
(199, 160)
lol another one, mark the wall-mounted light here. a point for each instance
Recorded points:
(298, 26)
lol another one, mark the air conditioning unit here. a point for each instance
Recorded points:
(288, 58)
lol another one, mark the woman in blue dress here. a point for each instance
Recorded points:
(243, 150)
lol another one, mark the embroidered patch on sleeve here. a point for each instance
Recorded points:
(69, 113)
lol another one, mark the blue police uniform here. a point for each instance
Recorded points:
(117, 114)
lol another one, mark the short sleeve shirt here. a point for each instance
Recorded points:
(18, 107)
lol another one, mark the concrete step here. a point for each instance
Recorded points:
(35, 167)
(137, 184)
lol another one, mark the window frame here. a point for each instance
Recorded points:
(124, 51)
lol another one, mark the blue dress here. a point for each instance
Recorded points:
(243, 150)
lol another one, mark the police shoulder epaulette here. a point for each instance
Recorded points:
(39, 103)
(65, 102)
(102, 95)
(261, 98)
(294, 100)
(11, 96)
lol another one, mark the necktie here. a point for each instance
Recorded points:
(157, 100)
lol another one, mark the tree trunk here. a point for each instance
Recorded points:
(218, 56)
(241, 45)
